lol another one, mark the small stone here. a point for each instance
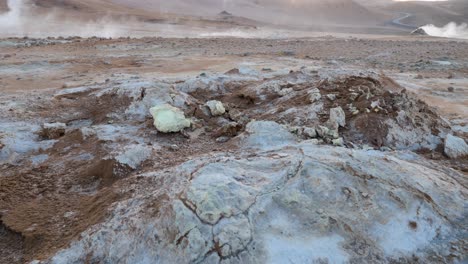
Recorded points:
(87, 132)
(451, 89)
(53, 130)
(331, 97)
(338, 142)
(326, 133)
(216, 107)
(222, 139)
(230, 129)
(356, 112)
(309, 132)
(169, 119)
(314, 95)
(337, 118)
(322, 131)
(455, 147)
(385, 148)
(353, 96)
(313, 141)
(365, 195)
(174, 147)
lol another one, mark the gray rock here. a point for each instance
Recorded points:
(134, 155)
(301, 203)
(455, 147)
(314, 95)
(338, 142)
(266, 135)
(216, 107)
(309, 132)
(337, 118)
(326, 133)
(331, 97)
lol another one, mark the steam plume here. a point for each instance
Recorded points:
(19, 21)
(451, 30)
(10, 22)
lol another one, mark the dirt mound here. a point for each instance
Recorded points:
(371, 108)
(378, 112)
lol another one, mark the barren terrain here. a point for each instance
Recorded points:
(292, 145)
(92, 83)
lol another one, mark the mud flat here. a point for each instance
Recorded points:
(339, 150)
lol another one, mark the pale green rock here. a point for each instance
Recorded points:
(169, 119)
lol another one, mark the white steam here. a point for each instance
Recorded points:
(451, 30)
(11, 21)
(21, 20)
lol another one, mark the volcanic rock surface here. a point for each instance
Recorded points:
(328, 150)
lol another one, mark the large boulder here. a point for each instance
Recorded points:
(169, 119)
(455, 147)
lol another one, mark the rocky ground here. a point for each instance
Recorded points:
(157, 150)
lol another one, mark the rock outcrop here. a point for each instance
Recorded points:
(287, 175)
(278, 201)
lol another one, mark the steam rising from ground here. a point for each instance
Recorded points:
(21, 21)
(11, 18)
(451, 30)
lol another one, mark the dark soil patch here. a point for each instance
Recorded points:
(11, 245)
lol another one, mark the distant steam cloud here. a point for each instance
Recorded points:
(10, 22)
(451, 30)
(18, 22)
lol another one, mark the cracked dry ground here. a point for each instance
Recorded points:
(254, 185)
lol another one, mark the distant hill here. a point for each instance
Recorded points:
(440, 13)
(272, 11)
